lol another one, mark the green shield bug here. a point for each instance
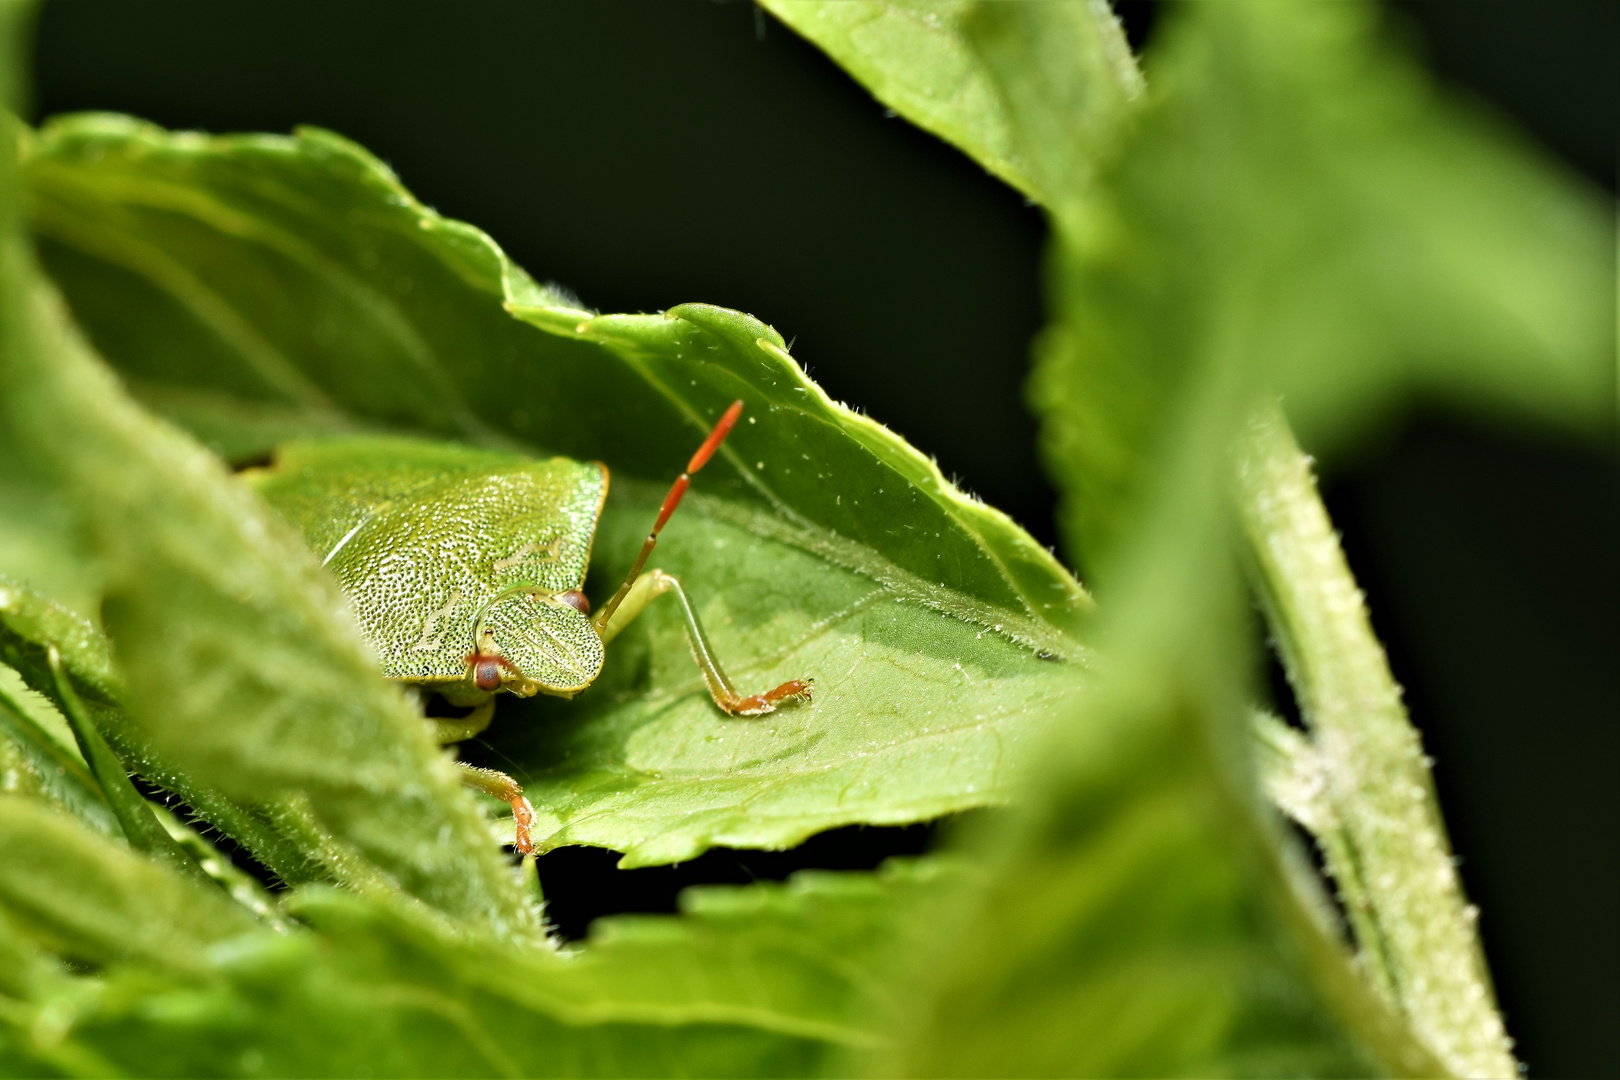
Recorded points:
(465, 568)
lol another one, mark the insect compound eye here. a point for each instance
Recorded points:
(487, 674)
(576, 600)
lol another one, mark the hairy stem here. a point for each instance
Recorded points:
(1380, 827)
(1295, 776)
(145, 833)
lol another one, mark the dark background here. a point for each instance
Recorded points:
(577, 134)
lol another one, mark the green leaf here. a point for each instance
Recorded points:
(41, 757)
(135, 815)
(372, 992)
(812, 956)
(254, 286)
(765, 980)
(917, 713)
(1031, 91)
(1136, 919)
(22, 964)
(99, 902)
(244, 667)
(1140, 912)
(298, 276)
(30, 627)
(1297, 197)
(40, 542)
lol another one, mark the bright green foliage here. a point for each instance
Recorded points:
(1141, 928)
(347, 302)
(126, 907)
(751, 982)
(136, 820)
(218, 611)
(30, 626)
(42, 756)
(1034, 92)
(917, 713)
(1285, 207)
(806, 957)
(916, 610)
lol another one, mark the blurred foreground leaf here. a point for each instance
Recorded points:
(241, 661)
(97, 902)
(766, 980)
(30, 627)
(255, 287)
(1324, 225)
(41, 757)
(1293, 210)
(1139, 921)
(1297, 200)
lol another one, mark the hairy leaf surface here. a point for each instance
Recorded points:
(256, 287)
(242, 666)
(100, 902)
(764, 980)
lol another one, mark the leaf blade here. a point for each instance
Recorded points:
(927, 61)
(100, 902)
(187, 551)
(800, 476)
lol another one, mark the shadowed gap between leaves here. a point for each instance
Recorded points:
(582, 884)
(239, 856)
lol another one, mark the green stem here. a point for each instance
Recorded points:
(1383, 838)
(63, 778)
(146, 834)
(219, 869)
(1294, 773)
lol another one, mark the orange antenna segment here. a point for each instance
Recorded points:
(677, 491)
(722, 428)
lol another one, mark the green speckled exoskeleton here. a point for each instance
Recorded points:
(465, 567)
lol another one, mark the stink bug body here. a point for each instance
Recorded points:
(466, 566)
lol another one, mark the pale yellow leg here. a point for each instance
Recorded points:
(454, 729)
(655, 583)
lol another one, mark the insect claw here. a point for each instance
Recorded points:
(760, 704)
(522, 824)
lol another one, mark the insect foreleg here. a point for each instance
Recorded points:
(677, 492)
(504, 787)
(655, 583)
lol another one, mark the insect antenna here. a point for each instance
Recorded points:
(671, 501)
